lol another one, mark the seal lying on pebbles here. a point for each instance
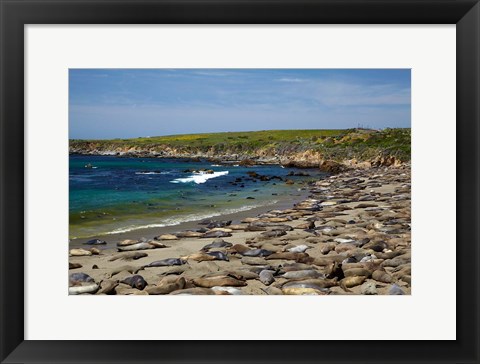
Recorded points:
(300, 274)
(167, 286)
(166, 262)
(202, 257)
(193, 291)
(229, 290)
(135, 281)
(313, 286)
(218, 281)
(253, 261)
(287, 256)
(166, 237)
(87, 288)
(79, 252)
(74, 265)
(189, 234)
(349, 282)
(128, 256)
(298, 249)
(141, 246)
(124, 268)
(95, 242)
(77, 278)
(256, 253)
(266, 277)
(217, 243)
(80, 283)
(216, 234)
(219, 256)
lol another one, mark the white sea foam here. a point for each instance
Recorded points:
(200, 177)
(152, 172)
(186, 218)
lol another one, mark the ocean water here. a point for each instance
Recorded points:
(111, 195)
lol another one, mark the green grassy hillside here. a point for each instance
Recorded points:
(362, 144)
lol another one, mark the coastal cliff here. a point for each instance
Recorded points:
(329, 150)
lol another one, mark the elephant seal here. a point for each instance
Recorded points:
(322, 283)
(273, 233)
(266, 277)
(219, 256)
(74, 265)
(270, 290)
(135, 281)
(242, 274)
(87, 288)
(80, 252)
(357, 272)
(257, 253)
(302, 274)
(95, 251)
(309, 287)
(296, 266)
(382, 276)
(218, 281)
(287, 256)
(166, 237)
(349, 282)
(141, 246)
(239, 248)
(216, 234)
(167, 286)
(128, 256)
(299, 248)
(128, 242)
(176, 270)
(124, 268)
(77, 278)
(253, 261)
(95, 242)
(193, 291)
(217, 243)
(198, 257)
(166, 262)
(229, 290)
(189, 234)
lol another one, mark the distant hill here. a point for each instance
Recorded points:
(302, 148)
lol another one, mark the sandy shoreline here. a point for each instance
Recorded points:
(355, 227)
(236, 217)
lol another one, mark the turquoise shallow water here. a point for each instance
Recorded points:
(111, 195)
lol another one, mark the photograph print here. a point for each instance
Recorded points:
(239, 182)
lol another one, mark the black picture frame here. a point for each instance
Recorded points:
(15, 14)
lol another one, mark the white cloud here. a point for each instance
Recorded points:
(290, 80)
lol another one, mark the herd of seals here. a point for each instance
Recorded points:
(352, 235)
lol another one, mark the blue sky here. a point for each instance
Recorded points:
(129, 103)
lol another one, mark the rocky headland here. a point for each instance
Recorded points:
(330, 150)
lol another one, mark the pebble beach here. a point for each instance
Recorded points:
(350, 235)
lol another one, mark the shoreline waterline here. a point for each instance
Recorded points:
(150, 232)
